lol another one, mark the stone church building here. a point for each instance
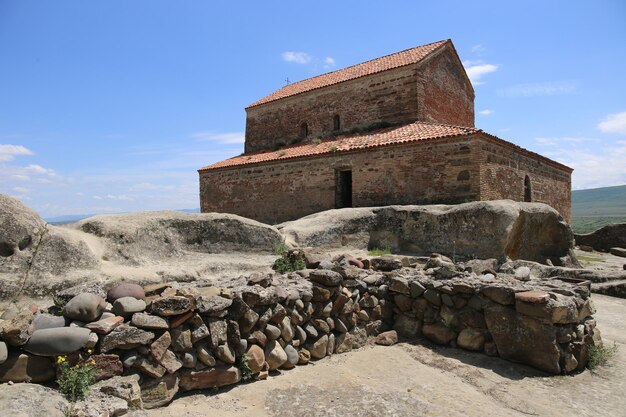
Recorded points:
(394, 130)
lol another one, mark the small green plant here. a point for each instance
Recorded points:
(317, 141)
(59, 302)
(379, 251)
(74, 381)
(334, 148)
(600, 355)
(288, 261)
(244, 367)
(282, 153)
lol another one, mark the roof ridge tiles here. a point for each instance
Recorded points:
(302, 86)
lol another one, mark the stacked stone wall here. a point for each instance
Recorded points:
(183, 337)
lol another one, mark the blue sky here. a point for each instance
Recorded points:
(112, 106)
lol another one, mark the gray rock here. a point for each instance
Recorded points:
(416, 289)
(170, 306)
(84, 307)
(125, 306)
(57, 341)
(523, 273)
(523, 339)
(159, 392)
(326, 277)
(212, 305)
(27, 368)
(319, 348)
(125, 337)
(150, 322)
(292, 357)
(204, 355)
(17, 330)
(47, 321)
(225, 353)
(32, 400)
(272, 332)
(481, 229)
(275, 355)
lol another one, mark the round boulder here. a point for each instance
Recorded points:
(84, 307)
(126, 306)
(126, 289)
(57, 341)
(275, 355)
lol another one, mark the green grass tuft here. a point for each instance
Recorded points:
(379, 251)
(600, 355)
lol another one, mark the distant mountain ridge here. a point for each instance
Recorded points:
(73, 218)
(596, 207)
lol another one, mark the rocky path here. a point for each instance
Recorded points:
(416, 379)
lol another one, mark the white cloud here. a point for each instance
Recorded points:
(20, 190)
(329, 62)
(486, 112)
(595, 165)
(564, 140)
(478, 49)
(614, 123)
(551, 88)
(9, 152)
(297, 57)
(476, 69)
(233, 138)
(121, 197)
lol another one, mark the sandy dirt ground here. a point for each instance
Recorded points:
(418, 379)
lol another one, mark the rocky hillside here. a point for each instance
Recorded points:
(37, 258)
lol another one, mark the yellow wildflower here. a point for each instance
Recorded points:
(61, 359)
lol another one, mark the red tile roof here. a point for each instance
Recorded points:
(399, 59)
(413, 132)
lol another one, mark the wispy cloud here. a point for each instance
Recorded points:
(477, 69)
(232, 138)
(296, 57)
(551, 88)
(566, 140)
(329, 62)
(486, 112)
(595, 164)
(9, 152)
(478, 49)
(121, 197)
(614, 123)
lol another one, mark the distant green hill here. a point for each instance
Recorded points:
(596, 207)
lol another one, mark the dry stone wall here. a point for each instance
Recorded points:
(180, 337)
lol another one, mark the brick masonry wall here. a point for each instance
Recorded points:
(443, 171)
(433, 91)
(444, 92)
(390, 96)
(503, 170)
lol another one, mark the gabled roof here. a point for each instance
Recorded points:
(399, 59)
(413, 132)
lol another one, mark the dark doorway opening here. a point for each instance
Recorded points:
(343, 193)
(527, 191)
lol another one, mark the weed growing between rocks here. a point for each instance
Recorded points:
(379, 251)
(244, 367)
(74, 381)
(600, 355)
(289, 261)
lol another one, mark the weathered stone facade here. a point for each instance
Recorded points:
(366, 136)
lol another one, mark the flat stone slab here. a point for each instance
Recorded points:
(534, 297)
